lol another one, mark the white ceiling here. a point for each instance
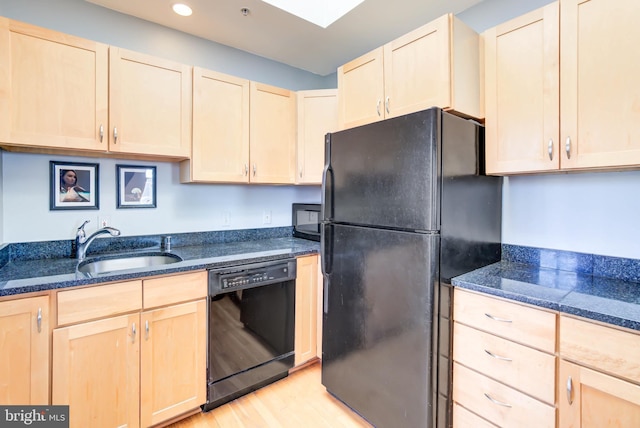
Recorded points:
(275, 34)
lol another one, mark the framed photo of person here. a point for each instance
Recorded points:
(73, 186)
(136, 186)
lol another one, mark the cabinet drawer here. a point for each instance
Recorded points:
(99, 301)
(526, 369)
(523, 324)
(462, 418)
(605, 348)
(500, 404)
(174, 289)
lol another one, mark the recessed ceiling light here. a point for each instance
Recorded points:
(182, 9)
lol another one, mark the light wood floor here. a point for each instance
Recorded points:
(298, 400)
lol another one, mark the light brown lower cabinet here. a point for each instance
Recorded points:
(589, 398)
(24, 354)
(306, 309)
(504, 367)
(134, 369)
(600, 386)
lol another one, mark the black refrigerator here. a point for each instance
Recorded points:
(405, 207)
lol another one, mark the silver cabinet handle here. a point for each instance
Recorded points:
(567, 147)
(497, 318)
(550, 148)
(115, 135)
(378, 107)
(246, 169)
(498, 357)
(300, 172)
(146, 330)
(254, 169)
(39, 320)
(570, 390)
(133, 332)
(386, 105)
(499, 403)
(101, 132)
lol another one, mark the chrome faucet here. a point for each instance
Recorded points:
(82, 242)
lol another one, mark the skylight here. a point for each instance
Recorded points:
(319, 12)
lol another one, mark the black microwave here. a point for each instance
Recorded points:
(306, 221)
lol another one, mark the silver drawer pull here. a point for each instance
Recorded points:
(146, 330)
(101, 132)
(567, 147)
(133, 333)
(498, 357)
(550, 149)
(570, 390)
(499, 403)
(497, 318)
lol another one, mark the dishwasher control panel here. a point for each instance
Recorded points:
(245, 276)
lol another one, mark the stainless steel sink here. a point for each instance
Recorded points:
(103, 265)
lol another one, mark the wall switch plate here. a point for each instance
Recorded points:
(266, 217)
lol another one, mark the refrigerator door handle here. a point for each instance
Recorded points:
(326, 231)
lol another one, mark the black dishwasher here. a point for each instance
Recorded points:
(251, 328)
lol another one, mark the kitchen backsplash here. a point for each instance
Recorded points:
(589, 264)
(61, 249)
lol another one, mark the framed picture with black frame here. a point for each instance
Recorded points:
(136, 186)
(73, 186)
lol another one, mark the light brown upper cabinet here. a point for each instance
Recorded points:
(243, 131)
(79, 96)
(434, 65)
(149, 105)
(522, 93)
(53, 89)
(220, 146)
(317, 115)
(557, 88)
(272, 141)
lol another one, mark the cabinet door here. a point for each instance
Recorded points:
(306, 307)
(361, 90)
(173, 361)
(591, 399)
(317, 115)
(600, 99)
(96, 371)
(54, 88)
(149, 105)
(418, 69)
(220, 151)
(272, 146)
(24, 360)
(522, 93)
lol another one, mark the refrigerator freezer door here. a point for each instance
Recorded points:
(386, 173)
(377, 345)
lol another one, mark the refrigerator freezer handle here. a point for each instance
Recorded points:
(327, 174)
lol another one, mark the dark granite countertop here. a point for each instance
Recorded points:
(604, 290)
(26, 276)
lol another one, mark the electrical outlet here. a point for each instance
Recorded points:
(103, 221)
(266, 217)
(226, 218)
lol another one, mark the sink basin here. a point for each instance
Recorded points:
(126, 262)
